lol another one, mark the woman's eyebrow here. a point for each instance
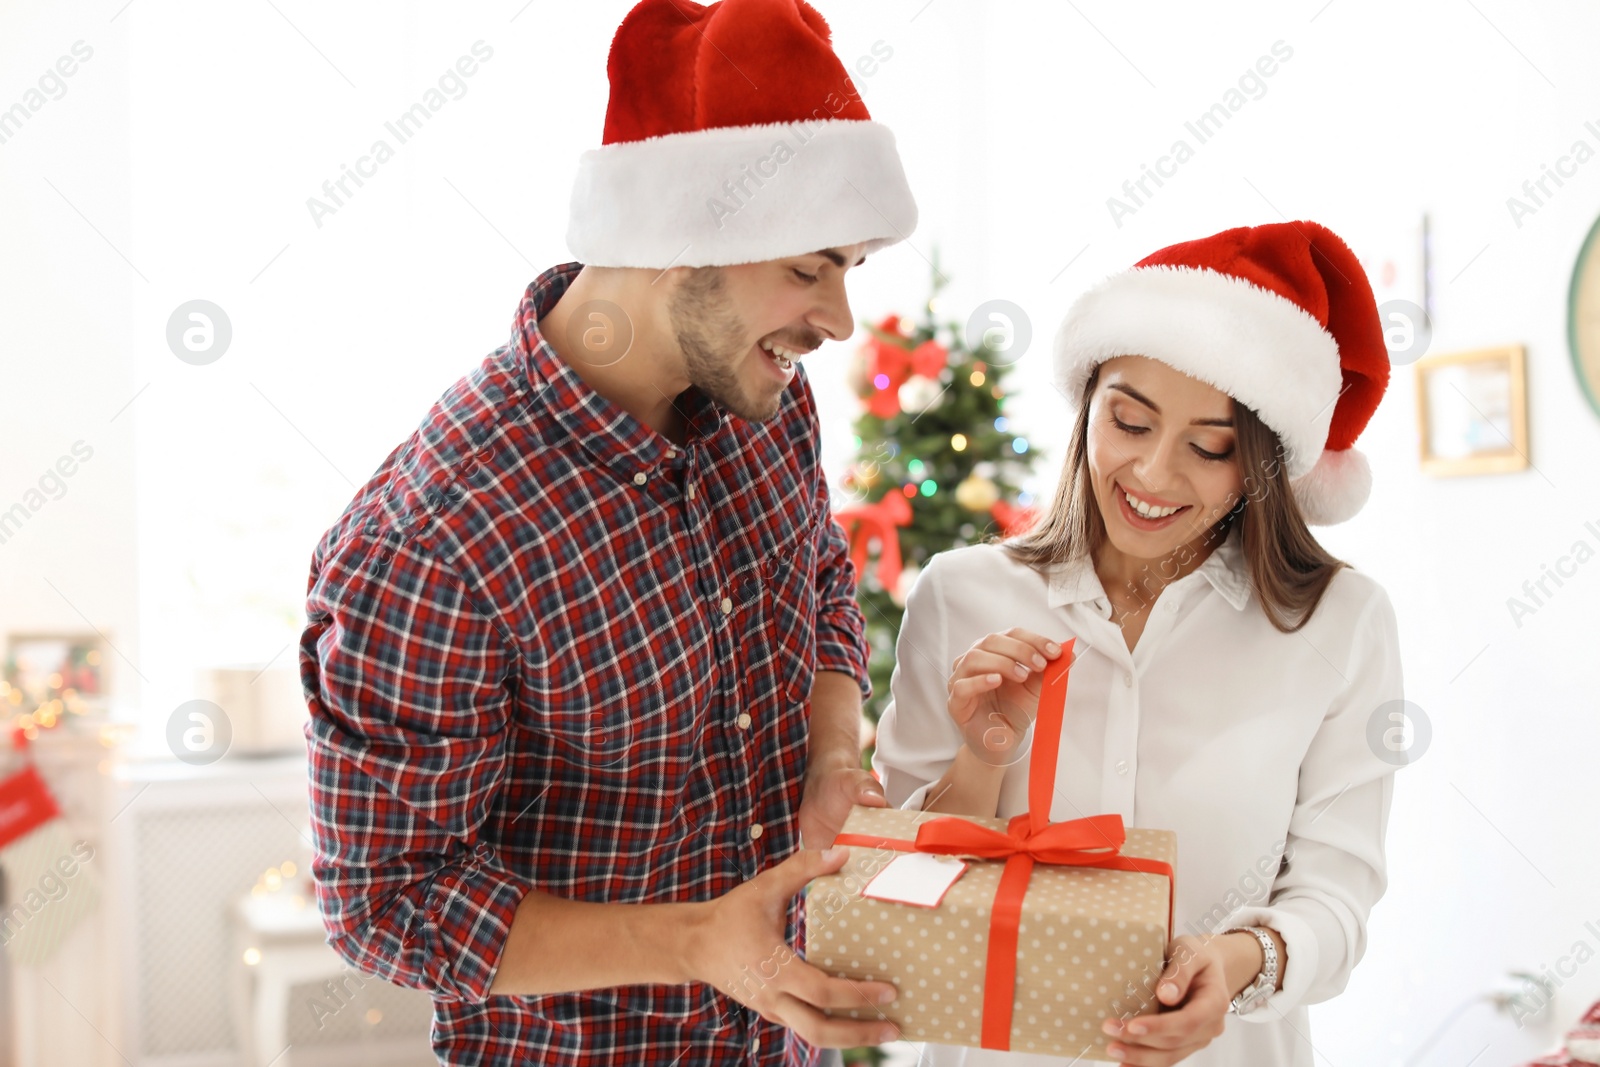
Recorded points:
(1151, 404)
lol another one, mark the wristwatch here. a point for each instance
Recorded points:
(1254, 996)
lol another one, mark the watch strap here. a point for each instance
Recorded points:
(1254, 995)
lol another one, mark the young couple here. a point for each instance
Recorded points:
(584, 661)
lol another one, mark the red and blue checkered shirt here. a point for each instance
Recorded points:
(547, 648)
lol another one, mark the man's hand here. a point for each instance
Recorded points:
(1195, 989)
(830, 791)
(739, 947)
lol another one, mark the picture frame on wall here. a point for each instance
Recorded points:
(1472, 411)
(52, 676)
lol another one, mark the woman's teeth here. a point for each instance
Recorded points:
(780, 355)
(1146, 510)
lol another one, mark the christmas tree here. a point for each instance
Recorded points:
(936, 467)
(937, 462)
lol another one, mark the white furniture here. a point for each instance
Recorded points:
(191, 843)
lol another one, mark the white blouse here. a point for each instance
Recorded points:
(1251, 744)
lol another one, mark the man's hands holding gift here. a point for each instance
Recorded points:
(994, 691)
(830, 790)
(1201, 977)
(738, 946)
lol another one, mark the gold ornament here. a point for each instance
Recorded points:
(977, 493)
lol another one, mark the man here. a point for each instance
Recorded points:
(583, 657)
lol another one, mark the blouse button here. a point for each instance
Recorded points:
(1122, 766)
(1172, 607)
(1127, 679)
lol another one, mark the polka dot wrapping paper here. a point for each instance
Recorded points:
(1090, 942)
(1051, 929)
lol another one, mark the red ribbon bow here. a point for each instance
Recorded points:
(1013, 519)
(1031, 837)
(927, 359)
(870, 522)
(897, 363)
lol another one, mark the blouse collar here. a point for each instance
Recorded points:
(1225, 569)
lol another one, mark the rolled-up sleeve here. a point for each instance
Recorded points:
(407, 688)
(1335, 870)
(917, 741)
(841, 629)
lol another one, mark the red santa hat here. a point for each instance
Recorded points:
(1281, 317)
(733, 135)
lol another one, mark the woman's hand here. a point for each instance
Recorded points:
(1195, 990)
(994, 691)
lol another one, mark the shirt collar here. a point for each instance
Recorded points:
(1225, 569)
(612, 435)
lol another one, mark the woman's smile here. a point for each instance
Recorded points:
(1152, 518)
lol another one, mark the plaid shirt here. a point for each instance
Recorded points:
(547, 648)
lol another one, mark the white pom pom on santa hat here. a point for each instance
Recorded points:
(1335, 489)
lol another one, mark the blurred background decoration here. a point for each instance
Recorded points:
(938, 463)
(50, 677)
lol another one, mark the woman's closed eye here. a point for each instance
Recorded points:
(1212, 457)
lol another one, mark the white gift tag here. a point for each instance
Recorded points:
(918, 878)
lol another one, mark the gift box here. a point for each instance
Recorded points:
(1014, 934)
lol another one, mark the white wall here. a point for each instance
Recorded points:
(193, 138)
(66, 295)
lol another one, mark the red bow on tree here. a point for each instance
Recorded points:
(1013, 520)
(890, 365)
(877, 522)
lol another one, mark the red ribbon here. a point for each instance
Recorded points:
(1013, 520)
(877, 521)
(1029, 838)
(897, 363)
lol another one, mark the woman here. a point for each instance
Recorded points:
(1233, 682)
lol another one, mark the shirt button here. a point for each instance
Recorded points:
(638, 479)
(755, 831)
(743, 720)
(1127, 679)
(691, 492)
(727, 606)
(1172, 607)
(755, 1045)
(1122, 766)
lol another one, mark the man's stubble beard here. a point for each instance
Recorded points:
(710, 335)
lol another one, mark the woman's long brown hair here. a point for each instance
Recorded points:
(1289, 570)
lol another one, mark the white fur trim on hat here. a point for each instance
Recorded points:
(740, 195)
(1253, 344)
(1335, 489)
